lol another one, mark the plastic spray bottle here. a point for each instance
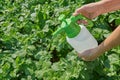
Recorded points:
(77, 35)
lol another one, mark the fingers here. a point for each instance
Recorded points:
(89, 11)
(85, 53)
(83, 57)
(87, 58)
(77, 12)
(82, 21)
(80, 11)
(84, 12)
(88, 55)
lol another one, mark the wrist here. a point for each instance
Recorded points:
(100, 7)
(101, 49)
(109, 5)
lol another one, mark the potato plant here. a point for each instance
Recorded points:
(28, 51)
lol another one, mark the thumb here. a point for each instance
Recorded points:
(75, 14)
(77, 11)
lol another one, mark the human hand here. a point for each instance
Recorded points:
(90, 11)
(89, 55)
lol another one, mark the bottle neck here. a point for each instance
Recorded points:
(73, 30)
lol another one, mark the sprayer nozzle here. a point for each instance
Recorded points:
(59, 30)
(61, 17)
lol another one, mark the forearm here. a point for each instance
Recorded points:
(109, 5)
(112, 41)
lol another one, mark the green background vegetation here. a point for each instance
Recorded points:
(28, 51)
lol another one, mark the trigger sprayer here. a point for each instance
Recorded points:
(77, 35)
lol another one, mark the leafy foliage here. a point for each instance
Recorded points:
(28, 51)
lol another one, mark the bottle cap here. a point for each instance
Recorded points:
(70, 25)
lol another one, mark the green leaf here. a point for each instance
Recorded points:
(111, 18)
(117, 21)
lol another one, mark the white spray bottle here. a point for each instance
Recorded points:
(77, 35)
